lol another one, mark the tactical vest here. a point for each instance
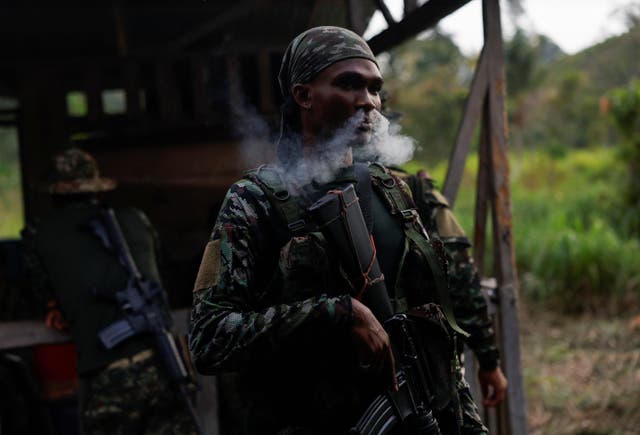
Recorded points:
(306, 269)
(397, 198)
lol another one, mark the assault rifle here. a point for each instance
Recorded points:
(409, 409)
(142, 302)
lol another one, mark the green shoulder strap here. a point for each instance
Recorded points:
(271, 180)
(402, 206)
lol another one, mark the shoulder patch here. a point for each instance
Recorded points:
(209, 270)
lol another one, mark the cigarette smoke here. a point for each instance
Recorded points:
(255, 135)
(386, 145)
(328, 156)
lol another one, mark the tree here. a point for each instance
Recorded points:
(624, 108)
(427, 82)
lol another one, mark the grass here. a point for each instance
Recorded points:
(572, 251)
(574, 256)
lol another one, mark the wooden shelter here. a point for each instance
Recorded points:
(163, 94)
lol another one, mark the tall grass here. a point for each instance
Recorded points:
(573, 251)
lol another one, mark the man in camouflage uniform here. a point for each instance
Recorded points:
(123, 390)
(273, 314)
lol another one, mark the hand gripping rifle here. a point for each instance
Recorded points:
(139, 300)
(407, 410)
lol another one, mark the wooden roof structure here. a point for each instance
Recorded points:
(154, 90)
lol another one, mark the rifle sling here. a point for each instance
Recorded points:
(404, 208)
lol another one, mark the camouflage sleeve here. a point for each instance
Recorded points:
(469, 305)
(230, 324)
(471, 420)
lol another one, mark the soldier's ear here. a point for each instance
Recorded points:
(302, 95)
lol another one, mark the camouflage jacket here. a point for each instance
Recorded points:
(239, 323)
(469, 305)
(288, 348)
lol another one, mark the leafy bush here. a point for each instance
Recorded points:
(571, 254)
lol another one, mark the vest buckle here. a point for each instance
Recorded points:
(296, 226)
(282, 195)
(409, 215)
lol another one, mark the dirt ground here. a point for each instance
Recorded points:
(582, 374)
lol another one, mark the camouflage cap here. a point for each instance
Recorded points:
(316, 49)
(76, 171)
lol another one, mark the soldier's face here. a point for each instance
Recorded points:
(347, 90)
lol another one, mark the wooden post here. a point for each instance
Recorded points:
(355, 16)
(169, 102)
(472, 112)
(199, 82)
(487, 96)
(500, 198)
(132, 89)
(264, 77)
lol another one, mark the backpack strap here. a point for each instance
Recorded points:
(401, 205)
(271, 180)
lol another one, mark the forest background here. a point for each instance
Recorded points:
(574, 133)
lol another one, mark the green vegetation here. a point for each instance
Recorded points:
(427, 81)
(574, 126)
(571, 252)
(624, 106)
(11, 210)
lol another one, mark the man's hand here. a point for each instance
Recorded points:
(373, 348)
(493, 385)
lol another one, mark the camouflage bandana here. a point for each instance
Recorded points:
(307, 55)
(316, 49)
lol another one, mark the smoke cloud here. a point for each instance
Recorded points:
(384, 144)
(387, 146)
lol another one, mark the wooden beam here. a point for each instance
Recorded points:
(410, 6)
(167, 94)
(424, 17)
(132, 89)
(199, 91)
(230, 14)
(120, 29)
(385, 12)
(502, 221)
(470, 117)
(234, 77)
(355, 16)
(482, 197)
(265, 84)
(94, 93)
